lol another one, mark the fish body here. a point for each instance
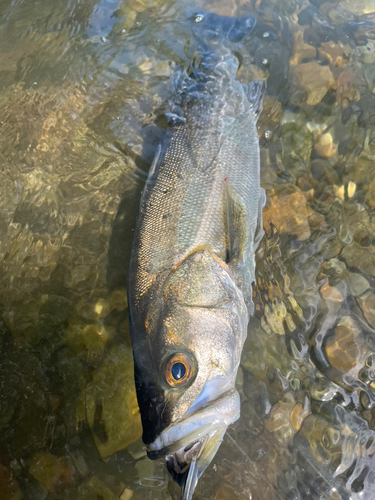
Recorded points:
(192, 262)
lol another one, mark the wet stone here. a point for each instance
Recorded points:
(127, 494)
(8, 485)
(40, 319)
(322, 171)
(88, 340)
(360, 258)
(331, 293)
(93, 309)
(323, 440)
(367, 305)
(137, 450)
(50, 471)
(357, 284)
(299, 413)
(151, 474)
(279, 421)
(359, 7)
(336, 54)
(315, 80)
(287, 209)
(324, 146)
(301, 50)
(110, 402)
(341, 349)
(95, 489)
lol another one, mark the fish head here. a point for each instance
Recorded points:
(185, 374)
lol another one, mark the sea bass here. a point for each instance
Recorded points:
(192, 263)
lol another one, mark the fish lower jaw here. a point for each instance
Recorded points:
(191, 430)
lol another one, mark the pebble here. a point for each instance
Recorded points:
(126, 494)
(324, 146)
(351, 189)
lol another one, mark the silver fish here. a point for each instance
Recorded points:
(192, 263)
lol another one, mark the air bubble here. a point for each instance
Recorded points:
(267, 134)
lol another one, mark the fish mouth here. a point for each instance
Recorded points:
(190, 444)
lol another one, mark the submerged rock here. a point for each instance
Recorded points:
(301, 50)
(9, 488)
(325, 146)
(95, 490)
(314, 79)
(52, 472)
(288, 210)
(110, 403)
(361, 258)
(335, 53)
(88, 340)
(358, 7)
(367, 304)
(341, 349)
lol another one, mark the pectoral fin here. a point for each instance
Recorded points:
(236, 225)
(259, 232)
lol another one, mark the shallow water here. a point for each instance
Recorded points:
(83, 87)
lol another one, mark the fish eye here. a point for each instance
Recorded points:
(198, 18)
(178, 369)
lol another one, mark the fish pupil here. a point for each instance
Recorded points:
(178, 371)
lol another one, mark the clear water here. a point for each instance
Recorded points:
(83, 86)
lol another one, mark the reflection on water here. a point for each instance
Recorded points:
(83, 86)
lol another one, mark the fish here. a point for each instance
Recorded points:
(192, 262)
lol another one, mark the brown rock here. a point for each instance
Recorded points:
(315, 80)
(341, 349)
(298, 414)
(324, 146)
(279, 419)
(346, 88)
(367, 304)
(50, 471)
(336, 53)
(301, 50)
(331, 293)
(287, 209)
